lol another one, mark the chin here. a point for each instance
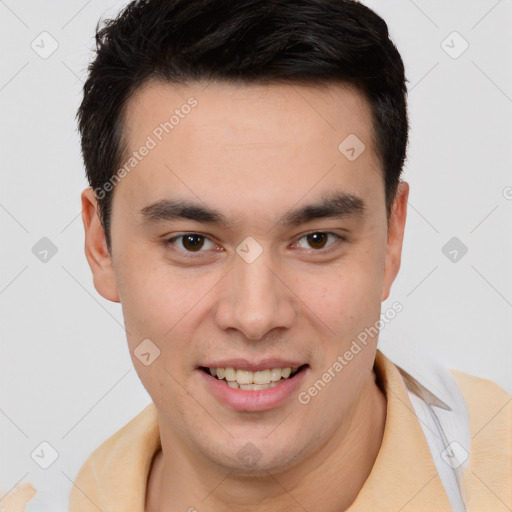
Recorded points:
(256, 457)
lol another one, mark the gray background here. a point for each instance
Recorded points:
(66, 375)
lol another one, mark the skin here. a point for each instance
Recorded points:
(253, 153)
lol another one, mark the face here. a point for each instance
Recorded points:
(247, 238)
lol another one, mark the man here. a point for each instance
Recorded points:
(247, 211)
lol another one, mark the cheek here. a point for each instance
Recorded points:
(346, 297)
(157, 306)
(161, 302)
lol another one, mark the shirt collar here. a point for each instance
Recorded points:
(403, 477)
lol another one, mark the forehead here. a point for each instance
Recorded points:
(225, 142)
(262, 109)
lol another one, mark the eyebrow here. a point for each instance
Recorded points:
(333, 205)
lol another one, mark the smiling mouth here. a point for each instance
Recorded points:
(253, 381)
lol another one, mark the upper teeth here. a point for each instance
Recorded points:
(248, 377)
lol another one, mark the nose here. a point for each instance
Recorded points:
(255, 299)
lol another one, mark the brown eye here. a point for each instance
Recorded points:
(189, 243)
(317, 240)
(193, 242)
(320, 241)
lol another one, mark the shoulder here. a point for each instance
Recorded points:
(118, 463)
(490, 414)
(117, 444)
(488, 403)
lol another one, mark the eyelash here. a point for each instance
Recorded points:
(192, 254)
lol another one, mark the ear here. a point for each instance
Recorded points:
(96, 250)
(395, 237)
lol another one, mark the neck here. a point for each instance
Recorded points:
(327, 481)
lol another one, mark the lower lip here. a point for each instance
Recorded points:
(253, 401)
